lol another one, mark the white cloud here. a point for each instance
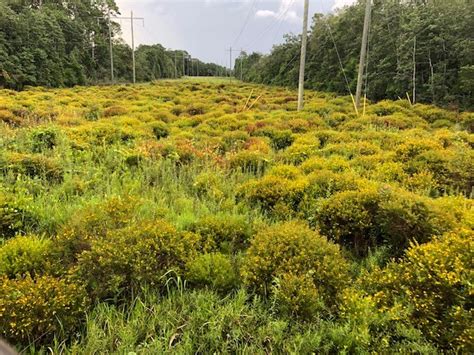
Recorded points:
(341, 3)
(284, 11)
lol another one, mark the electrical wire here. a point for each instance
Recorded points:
(245, 23)
(277, 20)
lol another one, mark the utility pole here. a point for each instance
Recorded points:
(230, 63)
(241, 64)
(414, 71)
(132, 20)
(175, 66)
(304, 40)
(363, 50)
(184, 68)
(133, 50)
(111, 50)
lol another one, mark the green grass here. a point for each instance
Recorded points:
(80, 167)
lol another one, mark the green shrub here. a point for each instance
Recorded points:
(214, 270)
(297, 296)
(234, 140)
(44, 139)
(160, 129)
(34, 166)
(370, 217)
(364, 327)
(302, 148)
(24, 255)
(275, 194)
(325, 183)
(281, 139)
(16, 214)
(127, 259)
(293, 248)
(249, 161)
(227, 233)
(434, 281)
(334, 163)
(34, 310)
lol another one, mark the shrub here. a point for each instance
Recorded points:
(115, 111)
(234, 140)
(333, 163)
(34, 166)
(37, 309)
(228, 233)
(369, 217)
(325, 183)
(160, 129)
(213, 270)
(44, 139)
(293, 248)
(91, 222)
(24, 255)
(275, 194)
(208, 184)
(127, 259)
(297, 296)
(434, 281)
(281, 139)
(302, 148)
(367, 328)
(249, 161)
(15, 214)
(9, 118)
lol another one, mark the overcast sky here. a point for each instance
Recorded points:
(207, 28)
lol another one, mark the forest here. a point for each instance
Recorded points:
(66, 43)
(433, 39)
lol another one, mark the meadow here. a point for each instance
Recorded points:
(209, 216)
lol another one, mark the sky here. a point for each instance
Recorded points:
(208, 28)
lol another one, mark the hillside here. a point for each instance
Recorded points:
(202, 216)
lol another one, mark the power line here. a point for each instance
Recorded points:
(245, 22)
(276, 20)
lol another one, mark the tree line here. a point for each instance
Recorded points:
(426, 44)
(66, 42)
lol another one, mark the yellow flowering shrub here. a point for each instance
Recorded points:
(274, 193)
(371, 216)
(297, 296)
(128, 258)
(227, 233)
(33, 165)
(24, 255)
(36, 309)
(293, 248)
(435, 281)
(16, 214)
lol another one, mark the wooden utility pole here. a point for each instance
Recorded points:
(241, 64)
(132, 20)
(184, 68)
(111, 50)
(133, 50)
(414, 72)
(230, 64)
(363, 50)
(304, 40)
(175, 65)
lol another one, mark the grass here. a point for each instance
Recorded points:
(220, 160)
